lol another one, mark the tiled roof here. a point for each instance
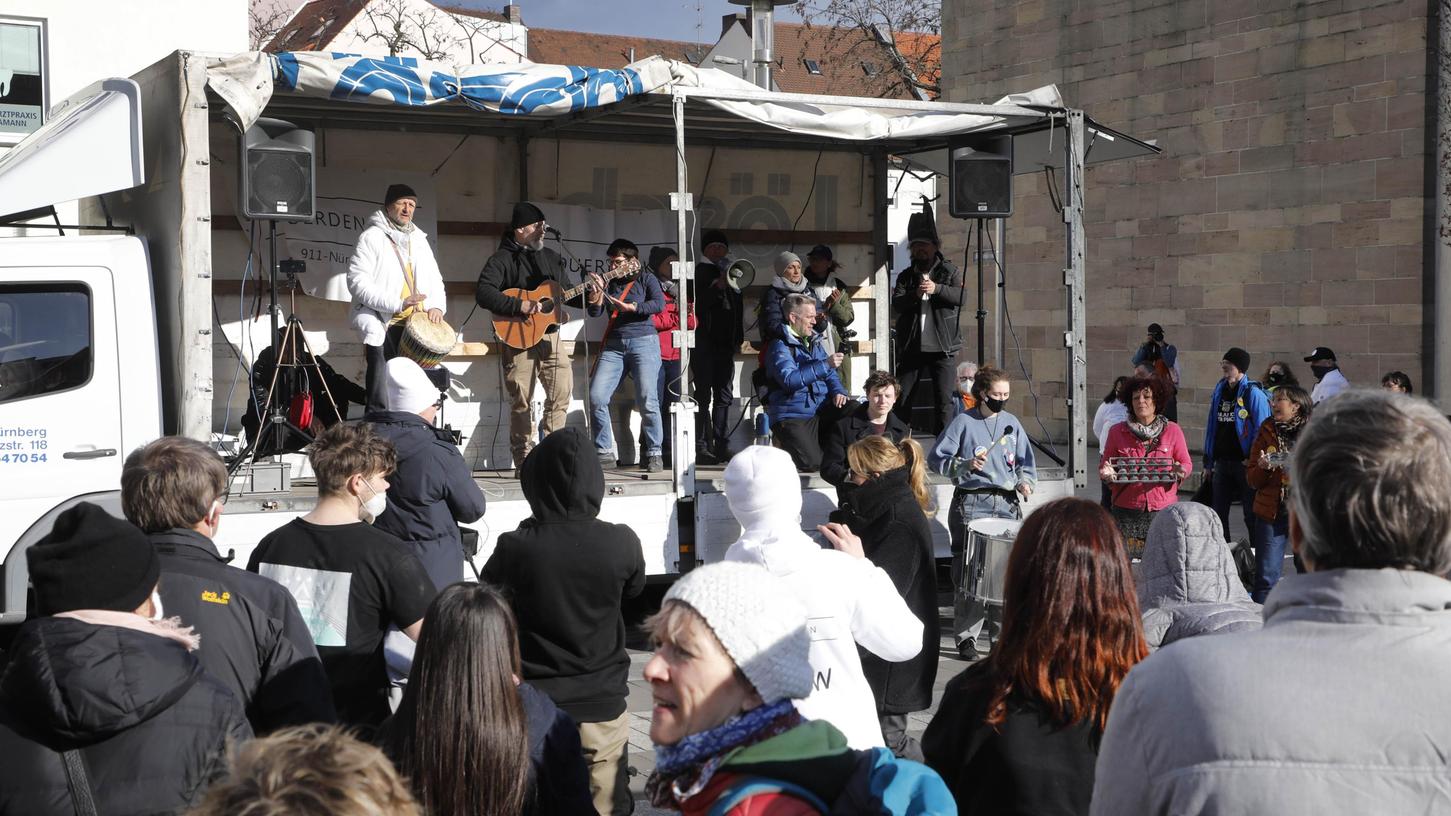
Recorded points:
(852, 62)
(558, 47)
(465, 11)
(315, 25)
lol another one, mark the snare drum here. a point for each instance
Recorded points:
(989, 543)
(425, 342)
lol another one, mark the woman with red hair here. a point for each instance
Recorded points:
(1019, 732)
(1143, 488)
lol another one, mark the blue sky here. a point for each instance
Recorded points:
(686, 20)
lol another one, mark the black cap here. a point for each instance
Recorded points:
(659, 254)
(620, 245)
(1238, 357)
(92, 560)
(713, 236)
(397, 191)
(1320, 353)
(1155, 328)
(524, 215)
(921, 227)
(820, 251)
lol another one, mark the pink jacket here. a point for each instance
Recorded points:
(668, 320)
(1139, 495)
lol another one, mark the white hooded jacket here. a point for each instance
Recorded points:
(375, 276)
(849, 601)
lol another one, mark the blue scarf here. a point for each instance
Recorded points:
(694, 759)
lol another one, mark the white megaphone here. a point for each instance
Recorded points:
(737, 271)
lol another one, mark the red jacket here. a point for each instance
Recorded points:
(762, 804)
(1140, 495)
(668, 320)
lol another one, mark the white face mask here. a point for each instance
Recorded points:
(156, 611)
(374, 506)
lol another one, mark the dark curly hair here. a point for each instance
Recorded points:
(1157, 388)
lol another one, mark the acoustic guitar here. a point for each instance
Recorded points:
(523, 332)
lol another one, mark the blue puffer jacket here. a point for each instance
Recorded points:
(800, 378)
(1251, 409)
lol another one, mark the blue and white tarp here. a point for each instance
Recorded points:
(517, 89)
(247, 82)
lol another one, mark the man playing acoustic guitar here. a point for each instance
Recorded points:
(523, 262)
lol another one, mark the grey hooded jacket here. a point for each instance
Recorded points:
(1187, 581)
(1338, 705)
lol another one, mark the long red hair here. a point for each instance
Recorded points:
(1071, 625)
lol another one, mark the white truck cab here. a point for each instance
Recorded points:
(79, 382)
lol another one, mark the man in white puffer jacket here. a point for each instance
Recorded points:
(391, 274)
(849, 601)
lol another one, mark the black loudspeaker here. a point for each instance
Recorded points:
(981, 178)
(277, 172)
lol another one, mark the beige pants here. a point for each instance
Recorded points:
(604, 746)
(547, 362)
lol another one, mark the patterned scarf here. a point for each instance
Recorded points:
(1285, 435)
(685, 768)
(1149, 434)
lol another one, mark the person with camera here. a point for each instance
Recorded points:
(392, 273)
(1163, 358)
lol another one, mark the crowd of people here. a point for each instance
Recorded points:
(1118, 662)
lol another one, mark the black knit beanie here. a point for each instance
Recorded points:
(1238, 357)
(92, 560)
(524, 215)
(397, 191)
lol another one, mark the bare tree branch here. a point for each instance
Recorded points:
(479, 28)
(404, 29)
(893, 28)
(264, 19)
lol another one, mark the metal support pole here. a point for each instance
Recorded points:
(981, 282)
(1074, 279)
(1000, 252)
(1437, 366)
(881, 279)
(683, 428)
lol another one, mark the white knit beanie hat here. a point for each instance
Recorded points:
(409, 389)
(758, 620)
(763, 488)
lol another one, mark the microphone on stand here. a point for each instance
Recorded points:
(550, 230)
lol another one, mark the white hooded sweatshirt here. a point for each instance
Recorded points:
(849, 601)
(375, 276)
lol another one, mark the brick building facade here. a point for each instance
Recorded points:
(1287, 210)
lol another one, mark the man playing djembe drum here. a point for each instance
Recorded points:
(392, 275)
(987, 454)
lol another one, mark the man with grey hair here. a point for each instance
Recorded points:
(1338, 705)
(801, 379)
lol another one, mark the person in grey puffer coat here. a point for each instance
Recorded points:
(1338, 704)
(1187, 582)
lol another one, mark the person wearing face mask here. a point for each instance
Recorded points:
(1328, 379)
(253, 637)
(392, 273)
(350, 580)
(1278, 375)
(986, 453)
(1237, 409)
(963, 401)
(103, 697)
(432, 490)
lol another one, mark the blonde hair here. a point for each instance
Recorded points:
(311, 770)
(875, 455)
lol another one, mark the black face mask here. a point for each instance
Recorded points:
(994, 405)
(1321, 370)
(1275, 378)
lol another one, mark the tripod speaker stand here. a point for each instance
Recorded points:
(287, 405)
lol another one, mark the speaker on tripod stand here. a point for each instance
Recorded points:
(277, 183)
(980, 177)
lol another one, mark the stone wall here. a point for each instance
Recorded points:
(1287, 209)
